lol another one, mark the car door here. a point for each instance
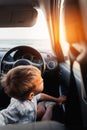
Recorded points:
(74, 70)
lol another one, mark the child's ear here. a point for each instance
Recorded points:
(31, 95)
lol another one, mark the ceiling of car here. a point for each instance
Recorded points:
(19, 2)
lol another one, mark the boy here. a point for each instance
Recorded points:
(24, 84)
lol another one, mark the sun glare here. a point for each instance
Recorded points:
(64, 44)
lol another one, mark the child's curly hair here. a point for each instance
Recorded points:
(20, 81)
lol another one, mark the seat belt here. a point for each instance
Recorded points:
(73, 117)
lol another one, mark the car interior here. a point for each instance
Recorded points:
(64, 71)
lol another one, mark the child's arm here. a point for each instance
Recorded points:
(58, 100)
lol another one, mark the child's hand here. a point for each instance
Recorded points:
(61, 99)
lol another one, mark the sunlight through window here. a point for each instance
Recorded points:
(64, 44)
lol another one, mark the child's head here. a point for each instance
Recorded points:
(23, 82)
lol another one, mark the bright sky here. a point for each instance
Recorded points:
(39, 30)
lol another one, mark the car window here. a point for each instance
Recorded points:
(64, 43)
